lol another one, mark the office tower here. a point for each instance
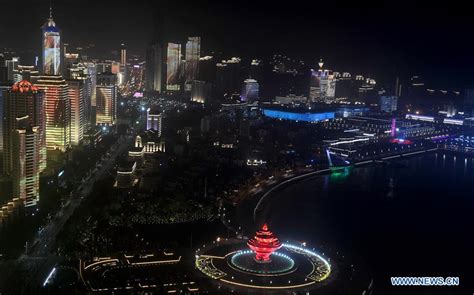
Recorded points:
(388, 104)
(51, 47)
(24, 155)
(76, 92)
(26, 169)
(173, 63)
(24, 73)
(123, 55)
(154, 68)
(12, 65)
(106, 99)
(3, 70)
(193, 51)
(70, 59)
(4, 87)
(228, 80)
(322, 85)
(57, 108)
(154, 120)
(249, 90)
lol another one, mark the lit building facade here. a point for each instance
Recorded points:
(322, 85)
(173, 63)
(154, 68)
(24, 73)
(249, 90)
(388, 104)
(193, 51)
(154, 120)
(106, 99)
(24, 155)
(57, 111)
(76, 92)
(51, 53)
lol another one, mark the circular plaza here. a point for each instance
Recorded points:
(262, 263)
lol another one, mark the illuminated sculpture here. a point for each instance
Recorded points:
(264, 244)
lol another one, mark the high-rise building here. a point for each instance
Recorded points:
(24, 154)
(106, 99)
(388, 104)
(193, 51)
(76, 94)
(249, 90)
(24, 73)
(51, 57)
(228, 80)
(79, 72)
(57, 108)
(154, 68)
(26, 172)
(173, 63)
(154, 120)
(123, 55)
(12, 65)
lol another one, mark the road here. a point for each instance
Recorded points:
(45, 240)
(34, 266)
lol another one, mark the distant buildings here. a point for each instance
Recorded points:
(106, 99)
(388, 104)
(24, 155)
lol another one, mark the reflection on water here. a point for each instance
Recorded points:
(399, 216)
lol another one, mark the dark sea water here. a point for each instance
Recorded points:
(411, 217)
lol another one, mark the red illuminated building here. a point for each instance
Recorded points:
(264, 244)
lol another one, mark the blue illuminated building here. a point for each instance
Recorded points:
(293, 116)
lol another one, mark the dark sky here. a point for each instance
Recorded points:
(379, 38)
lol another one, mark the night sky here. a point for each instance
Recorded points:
(377, 38)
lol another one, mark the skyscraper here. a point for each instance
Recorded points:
(173, 63)
(51, 47)
(76, 92)
(106, 99)
(154, 68)
(57, 109)
(123, 55)
(24, 154)
(193, 50)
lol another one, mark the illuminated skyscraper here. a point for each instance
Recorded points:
(153, 120)
(57, 108)
(51, 47)
(173, 62)
(193, 50)
(24, 154)
(249, 90)
(76, 94)
(106, 99)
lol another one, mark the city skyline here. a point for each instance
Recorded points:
(383, 38)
